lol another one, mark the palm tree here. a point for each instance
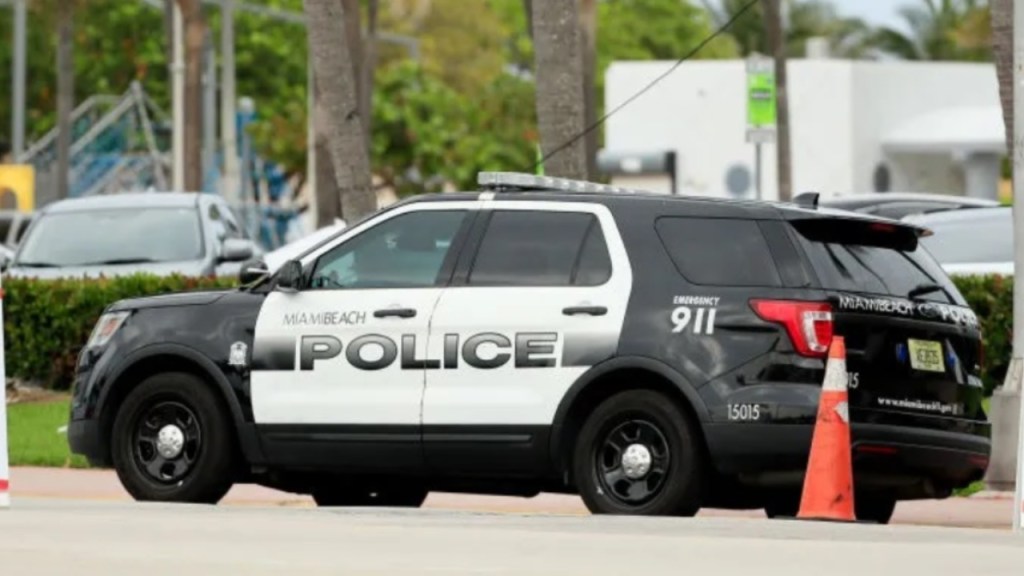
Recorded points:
(195, 35)
(802, 20)
(559, 71)
(588, 27)
(343, 122)
(939, 30)
(1002, 52)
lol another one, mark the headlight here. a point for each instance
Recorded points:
(105, 328)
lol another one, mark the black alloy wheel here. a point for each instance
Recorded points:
(638, 454)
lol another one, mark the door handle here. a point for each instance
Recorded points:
(588, 310)
(395, 312)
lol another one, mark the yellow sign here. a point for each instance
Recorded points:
(926, 355)
(17, 187)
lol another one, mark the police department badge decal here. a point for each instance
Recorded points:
(237, 355)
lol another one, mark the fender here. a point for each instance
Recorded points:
(619, 363)
(247, 437)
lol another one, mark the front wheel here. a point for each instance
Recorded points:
(638, 454)
(172, 442)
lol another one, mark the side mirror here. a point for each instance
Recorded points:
(236, 250)
(253, 271)
(289, 277)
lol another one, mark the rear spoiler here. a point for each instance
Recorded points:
(851, 229)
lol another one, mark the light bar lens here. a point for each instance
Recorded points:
(492, 180)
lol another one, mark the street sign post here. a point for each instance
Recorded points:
(760, 108)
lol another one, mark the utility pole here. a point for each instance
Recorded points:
(178, 75)
(1015, 375)
(19, 80)
(228, 115)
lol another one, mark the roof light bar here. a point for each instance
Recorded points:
(522, 181)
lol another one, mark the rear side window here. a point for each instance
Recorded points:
(536, 248)
(857, 263)
(718, 251)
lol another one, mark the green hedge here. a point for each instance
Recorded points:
(47, 321)
(991, 298)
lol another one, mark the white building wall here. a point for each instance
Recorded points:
(840, 112)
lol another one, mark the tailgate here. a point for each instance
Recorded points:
(913, 345)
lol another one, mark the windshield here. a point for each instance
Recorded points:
(971, 241)
(124, 235)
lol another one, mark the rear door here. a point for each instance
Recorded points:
(913, 344)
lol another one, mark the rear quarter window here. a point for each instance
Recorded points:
(718, 251)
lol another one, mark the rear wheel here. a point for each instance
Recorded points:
(172, 441)
(361, 494)
(638, 454)
(874, 507)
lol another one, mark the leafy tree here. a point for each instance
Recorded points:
(940, 30)
(803, 19)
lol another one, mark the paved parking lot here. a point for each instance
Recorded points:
(51, 536)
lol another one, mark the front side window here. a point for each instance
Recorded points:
(406, 251)
(534, 248)
(112, 236)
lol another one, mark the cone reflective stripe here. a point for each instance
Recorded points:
(5, 498)
(828, 484)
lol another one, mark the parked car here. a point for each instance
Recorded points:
(155, 232)
(970, 241)
(898, 205)
(653, 354)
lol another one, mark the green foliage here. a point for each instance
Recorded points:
(941, 30)
(991, 298)
(427, 135)
(848, 37)
(46, 322)
(34, 438)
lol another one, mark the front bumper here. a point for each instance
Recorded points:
(84, 438)
(917, 462)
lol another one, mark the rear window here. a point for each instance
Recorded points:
(718, 251)
(847, 258)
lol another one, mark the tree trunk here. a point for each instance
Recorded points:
(1002, 51)
(528, 8)
(559, 70)
(332, 64)
(777, 47)
(588, 29)
(368, 70)
(195, 33)
(328, 201)
(65, 94)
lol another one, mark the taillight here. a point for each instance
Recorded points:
(809, 324)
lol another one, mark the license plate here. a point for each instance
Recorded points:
(926, 355)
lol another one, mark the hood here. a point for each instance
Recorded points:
(157, 268)
(197, 298)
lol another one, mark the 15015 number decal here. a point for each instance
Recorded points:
(744, 412)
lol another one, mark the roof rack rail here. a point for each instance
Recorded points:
(525, 182)
(807, 200)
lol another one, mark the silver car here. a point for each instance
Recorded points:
(160, 233)
(970, 242)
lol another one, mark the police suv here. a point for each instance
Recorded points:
(653, 354)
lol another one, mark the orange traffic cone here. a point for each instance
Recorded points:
(828, 485)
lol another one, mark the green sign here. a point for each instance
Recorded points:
(760, 99)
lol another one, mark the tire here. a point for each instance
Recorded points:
(355, 495)
(203, 470)
(874, 507)
(664, 432)
(782, 505)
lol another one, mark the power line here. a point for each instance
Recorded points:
(721, 29)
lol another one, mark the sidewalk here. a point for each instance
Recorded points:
(986, 510)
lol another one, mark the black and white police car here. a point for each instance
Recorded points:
(653, 354)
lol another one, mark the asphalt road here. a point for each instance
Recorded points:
(39, 537)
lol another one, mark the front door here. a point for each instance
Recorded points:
(338, 369)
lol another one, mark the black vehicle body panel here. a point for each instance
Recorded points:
(746, 361)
